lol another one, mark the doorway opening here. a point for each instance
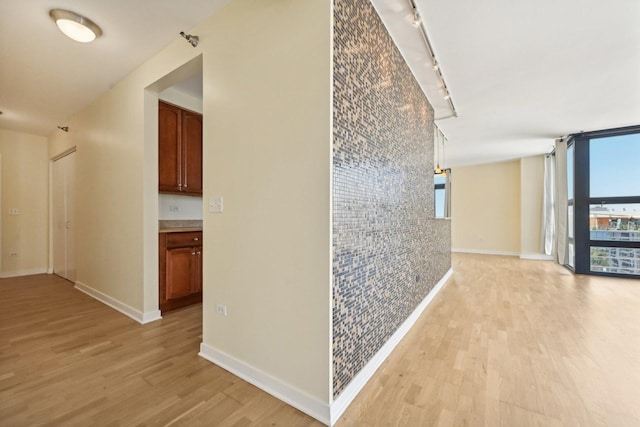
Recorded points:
(182, 88)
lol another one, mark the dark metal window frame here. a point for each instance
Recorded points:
(582, 201)
(572, 203)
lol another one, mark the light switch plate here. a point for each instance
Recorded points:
(215, 204)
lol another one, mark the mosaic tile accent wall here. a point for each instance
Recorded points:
(389, 252)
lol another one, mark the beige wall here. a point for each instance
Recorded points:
(117, 190)
(497, 208)
(108, 136)
(485, 208)
(266, 151)
(25, 186)
(531, 189)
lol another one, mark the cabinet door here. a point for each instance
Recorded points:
(169, 152)
(192, 152)
(197, 270)
(180, 274)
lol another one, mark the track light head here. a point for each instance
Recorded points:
(193, 40)
(417, 20)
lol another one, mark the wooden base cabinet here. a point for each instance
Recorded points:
(180, 269)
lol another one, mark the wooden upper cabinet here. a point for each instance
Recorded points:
(192, 152)
(179, 150)
(169, 152)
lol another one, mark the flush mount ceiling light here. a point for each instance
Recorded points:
(75, 26)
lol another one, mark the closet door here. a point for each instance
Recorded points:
(63, 205)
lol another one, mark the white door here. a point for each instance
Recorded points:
(63, 204)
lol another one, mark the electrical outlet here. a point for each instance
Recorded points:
(221, 309)
(13, 254)
(216, 204)
(174, 208)
(14, 211)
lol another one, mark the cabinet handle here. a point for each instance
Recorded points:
(193, 253)
(196, 239)
(198, 253)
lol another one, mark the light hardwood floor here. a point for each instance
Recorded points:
(512, 342)
(507, 342)
(66, 359)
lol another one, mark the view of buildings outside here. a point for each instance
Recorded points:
(615, 223)
(614, 172)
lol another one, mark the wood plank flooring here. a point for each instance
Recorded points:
(66, 359)
(512, 342)
(507, 342)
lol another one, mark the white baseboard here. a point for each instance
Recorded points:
(123, 308)
(485, 252)
(275, 387)
(537, 256)
(19, 273)
(327, 414)
(342, 402)
(151, 316)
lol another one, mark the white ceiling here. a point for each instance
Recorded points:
(46, 77)
(520, 73)
(191, 86)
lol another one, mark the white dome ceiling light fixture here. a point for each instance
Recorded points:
(75, 26)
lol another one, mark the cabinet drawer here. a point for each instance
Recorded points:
(179, 240)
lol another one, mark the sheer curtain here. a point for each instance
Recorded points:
(561, 201)
(549, 205)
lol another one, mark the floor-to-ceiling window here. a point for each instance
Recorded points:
(604, 218)
(571, 241)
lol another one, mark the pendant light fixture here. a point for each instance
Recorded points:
(444, 168)
(438, 137)
(75, 26)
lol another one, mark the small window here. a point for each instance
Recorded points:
(440, 195)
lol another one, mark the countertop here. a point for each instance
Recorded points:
(178, 226)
